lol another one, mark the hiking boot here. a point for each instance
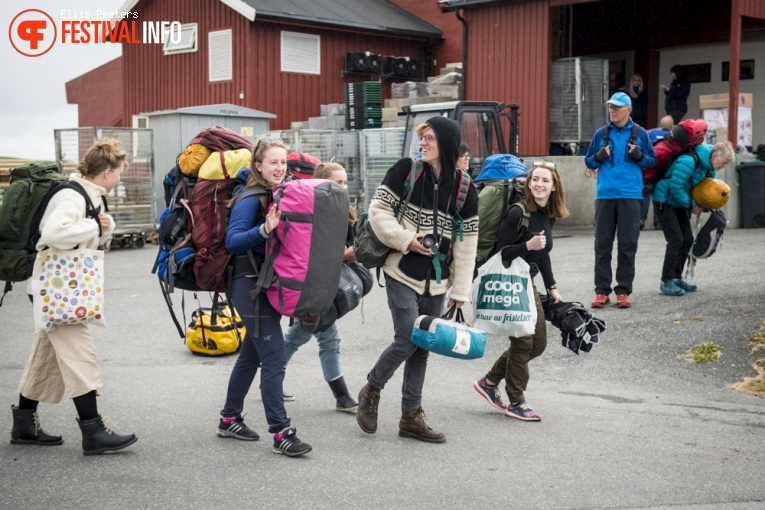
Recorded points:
(26, 429)
(623, 301)
(522, 411)
(366, 415)
(97, 438)
(343, 401)
(687, 287)
(670, 288)
(600, 301)
(413, 425)
(236, 429)
(287, 443)
(490, 393)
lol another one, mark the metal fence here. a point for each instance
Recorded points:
(366, 154)
(131, 202)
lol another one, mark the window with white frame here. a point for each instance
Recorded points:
(220, 63)
(301, 53)
(185, 42)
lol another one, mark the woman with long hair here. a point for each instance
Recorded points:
(250, 225)
(545, 202)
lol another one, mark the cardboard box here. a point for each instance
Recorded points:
(721, 101)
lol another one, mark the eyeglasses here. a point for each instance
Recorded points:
(466, 156)
(544, 164)
(428, 138)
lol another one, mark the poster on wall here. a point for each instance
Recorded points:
(717, 119)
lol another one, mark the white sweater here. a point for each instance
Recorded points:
(65, 225)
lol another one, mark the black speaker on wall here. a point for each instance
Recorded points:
(398, 66)
(414, 69)
(373, 63)
(356, 63)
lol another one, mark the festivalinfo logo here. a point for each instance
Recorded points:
(34, 32)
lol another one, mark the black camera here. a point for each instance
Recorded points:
(429, 241)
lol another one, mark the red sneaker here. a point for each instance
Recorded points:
(600, 301)
(623, 301)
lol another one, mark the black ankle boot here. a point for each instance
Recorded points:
(345, 402)
(26, 429)
(97, 438)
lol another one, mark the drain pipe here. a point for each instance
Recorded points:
(464, 52)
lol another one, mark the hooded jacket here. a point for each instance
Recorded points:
(682, 175)
(432, 204)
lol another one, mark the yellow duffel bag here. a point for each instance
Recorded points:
(711, 193)
(214, 333)
(192, 158)
(235, 161)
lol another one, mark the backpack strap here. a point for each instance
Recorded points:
(634, 133)
(606, 137)
(525, 215)
(90, 211)
(411, 178)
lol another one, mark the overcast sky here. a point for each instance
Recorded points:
(32, 93)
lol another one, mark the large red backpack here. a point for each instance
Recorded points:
(686, 135)
(302, 165)
(209, 213)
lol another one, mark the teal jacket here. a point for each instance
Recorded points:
(682, 175)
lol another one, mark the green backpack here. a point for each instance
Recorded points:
(29, 184)
(494, 202)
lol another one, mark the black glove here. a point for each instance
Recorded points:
(601, 155)
(635, 153)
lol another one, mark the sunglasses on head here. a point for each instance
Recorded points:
(268, 141)
(545, 164)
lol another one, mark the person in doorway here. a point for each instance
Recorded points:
(545, 201)
(639, 95)
(676, 95)
(250, 224)
(412, 284)
(329, 339)
(673, 197)
(63, 358)
(617, 153)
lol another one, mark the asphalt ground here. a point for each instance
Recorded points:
(629, 425)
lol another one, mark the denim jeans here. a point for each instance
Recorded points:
(265, 350)
(329, 347)
(405, 306)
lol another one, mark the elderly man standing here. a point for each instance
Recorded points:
(618, 152)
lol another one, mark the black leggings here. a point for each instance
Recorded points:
(676, 223)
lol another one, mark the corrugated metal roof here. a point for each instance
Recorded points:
(374, 15)
(217, 110)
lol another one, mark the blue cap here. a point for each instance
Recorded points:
(620, 99)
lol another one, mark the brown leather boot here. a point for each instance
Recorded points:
(366, 415)
(413, 425)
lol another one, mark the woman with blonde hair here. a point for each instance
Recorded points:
(63, 358)
(329, 339)
(637, 91)
(251, 223)
(544, 201)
